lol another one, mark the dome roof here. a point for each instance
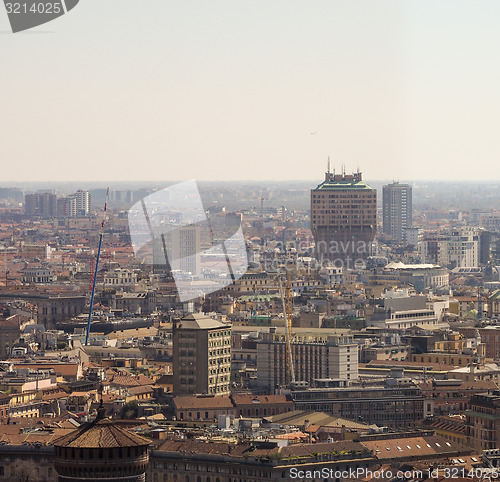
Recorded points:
(102, 433)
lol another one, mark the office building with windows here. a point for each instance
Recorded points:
(343, 219)
(202, 356)
(397, 209)
(317, 355)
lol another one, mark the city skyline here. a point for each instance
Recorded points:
(248, 90)
(250, 240)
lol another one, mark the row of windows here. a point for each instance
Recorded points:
(344, 196)
(219, 352)
(218, 361)
(219, 370)
(103, 453)
(221, 378)
(215, 334)
(220, 469)
(115, 281)
(219, 342)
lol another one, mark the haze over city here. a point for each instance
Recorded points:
(127, 90)
(249, 241)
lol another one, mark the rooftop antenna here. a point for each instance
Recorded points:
(96, 268)
(328, 176)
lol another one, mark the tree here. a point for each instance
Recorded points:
(130, 409)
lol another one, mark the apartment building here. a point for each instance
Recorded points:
(316, 353)
(482, 424)
(397, 407)
(397, 209)
(202, 356)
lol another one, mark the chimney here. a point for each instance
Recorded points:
(307, 423)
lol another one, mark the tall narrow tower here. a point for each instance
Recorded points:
(343, 219)
(397, 209)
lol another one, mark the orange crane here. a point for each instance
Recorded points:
(286, 299)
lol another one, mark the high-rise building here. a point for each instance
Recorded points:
(317, 354)
(457, 249)
(40, 204)
(180, 250)
(343, 219)
(66, 207)
(202, 356)
(185, 250)
(82, 202)
(412, 236)
(48, 205)
(31, 202)
(397, 209)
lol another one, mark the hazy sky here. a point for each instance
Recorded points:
(253, 89)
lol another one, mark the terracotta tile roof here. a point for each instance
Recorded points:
(109, 397)
(193, 402)
(320, 419)
(140, 389)
(63, 369)
(313, 428)
(215, 448)
(100, 434)
(10, 322)
(247, 399)
(44, 438)
(414, 447)
(165, 380)
(130, 381)
(53, 394)
(90, 364)
(453, 424)
(194, 446)
(471, 385)
(393, 448)
(308, 449)
(83, 394)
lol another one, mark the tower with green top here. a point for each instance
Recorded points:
(343, 219)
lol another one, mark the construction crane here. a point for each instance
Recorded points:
(262, 199)
(479, 304)
(96, 269)
(286, 300)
